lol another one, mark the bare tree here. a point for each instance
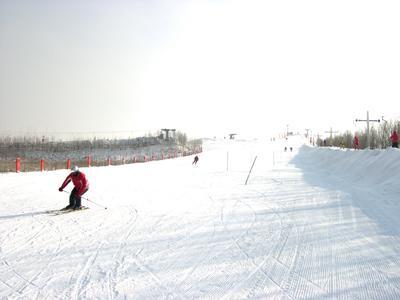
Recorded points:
(181, 138)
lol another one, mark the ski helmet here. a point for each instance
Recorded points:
(75, 169)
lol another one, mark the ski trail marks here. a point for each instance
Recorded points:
(83, 277)
(118, 256)
(35, 281)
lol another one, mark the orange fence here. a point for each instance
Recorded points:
(29, 165)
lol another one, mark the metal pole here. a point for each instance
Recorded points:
(368, 141)
(251, 170)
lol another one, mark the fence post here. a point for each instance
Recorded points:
(17, 165)
(88, 161)
(68, 164)
(42, 165)
(109, 161)
(145, 158)
(227, 161)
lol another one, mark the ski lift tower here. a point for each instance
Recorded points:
(167, 130)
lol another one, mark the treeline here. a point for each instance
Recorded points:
(379, 137)
(11, 146)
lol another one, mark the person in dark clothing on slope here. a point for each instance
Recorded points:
(196, 159)
(81, 186)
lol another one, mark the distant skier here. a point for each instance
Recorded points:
(196, 159)
(356, 142)
(81, 186)
(395, 139)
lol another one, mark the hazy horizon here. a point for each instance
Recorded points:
(207, 68)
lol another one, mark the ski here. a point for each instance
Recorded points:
(51, 211)
(69, 210)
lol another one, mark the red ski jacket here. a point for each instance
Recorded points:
(79, 180)
(394, 137)
(356, 142)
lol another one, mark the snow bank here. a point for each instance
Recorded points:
(369, 168)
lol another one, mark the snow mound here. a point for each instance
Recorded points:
(376, 168)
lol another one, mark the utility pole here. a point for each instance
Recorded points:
(331, 132)
(368, 120)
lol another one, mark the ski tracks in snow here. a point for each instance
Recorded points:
(119, 255)
(32, 284)
(283, 270)
(84, 282)
(280, 237)
(52, 245)
(275, 272)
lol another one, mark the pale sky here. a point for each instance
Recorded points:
(202, 67)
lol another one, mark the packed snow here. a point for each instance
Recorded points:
(312, 223)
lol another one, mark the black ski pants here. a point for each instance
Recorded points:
(75, 199)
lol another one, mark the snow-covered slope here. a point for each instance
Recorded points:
(371, 168)
(310, 224)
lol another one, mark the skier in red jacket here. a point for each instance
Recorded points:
(395, 139)
(81, 186)
(356, 143)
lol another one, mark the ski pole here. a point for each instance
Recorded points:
(105, 207)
